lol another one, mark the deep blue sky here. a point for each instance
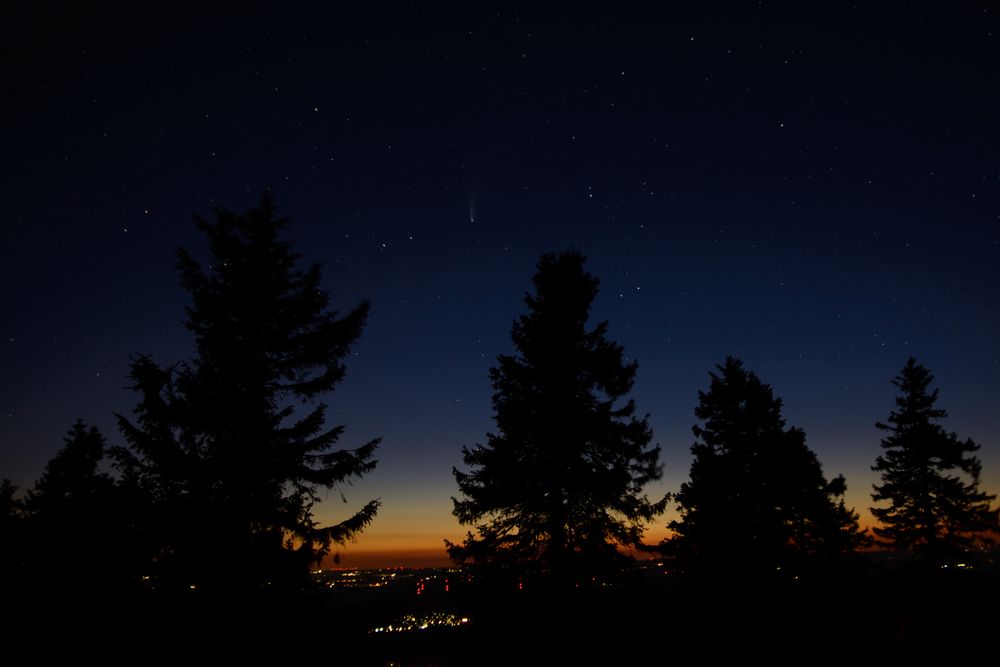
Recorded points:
(814, 190)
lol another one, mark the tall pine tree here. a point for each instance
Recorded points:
(929, 476)
(231, 469)
(558, 487)
(757, 501)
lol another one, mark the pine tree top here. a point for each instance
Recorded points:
(915, 403)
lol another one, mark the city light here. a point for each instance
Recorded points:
(434, 619)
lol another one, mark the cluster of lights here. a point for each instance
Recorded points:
(435, 619)
(356, 579)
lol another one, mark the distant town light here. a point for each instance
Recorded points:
(434, 619)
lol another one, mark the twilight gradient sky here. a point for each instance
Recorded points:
(814, 190)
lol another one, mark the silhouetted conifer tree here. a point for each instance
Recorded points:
(929, 476)
(558, 488)
(69, 512)
(10, 507)
(757, 501)
(231, 470)
(72, 480)
(11, 537)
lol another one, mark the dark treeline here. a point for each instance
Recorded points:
(215, 484)
(225, 453)
(556, 492)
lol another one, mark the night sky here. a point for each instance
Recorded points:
(816, 191)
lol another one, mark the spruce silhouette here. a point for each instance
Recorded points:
(230, 468)
(12, 543)
(757, 503)
(71, 515)
(929, 477)
(558, 487)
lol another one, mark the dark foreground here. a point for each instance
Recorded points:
(875, 616)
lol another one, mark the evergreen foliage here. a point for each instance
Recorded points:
(11, 533)
(757, 501)
(929, 476)
(72, 482)
(558, 487)
(70, 513)
(10, 507)
(230, 469)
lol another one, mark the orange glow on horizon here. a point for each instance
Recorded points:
(412, 534)
(387, 558)
(383, 550)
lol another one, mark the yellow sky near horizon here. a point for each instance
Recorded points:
(410, 532)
